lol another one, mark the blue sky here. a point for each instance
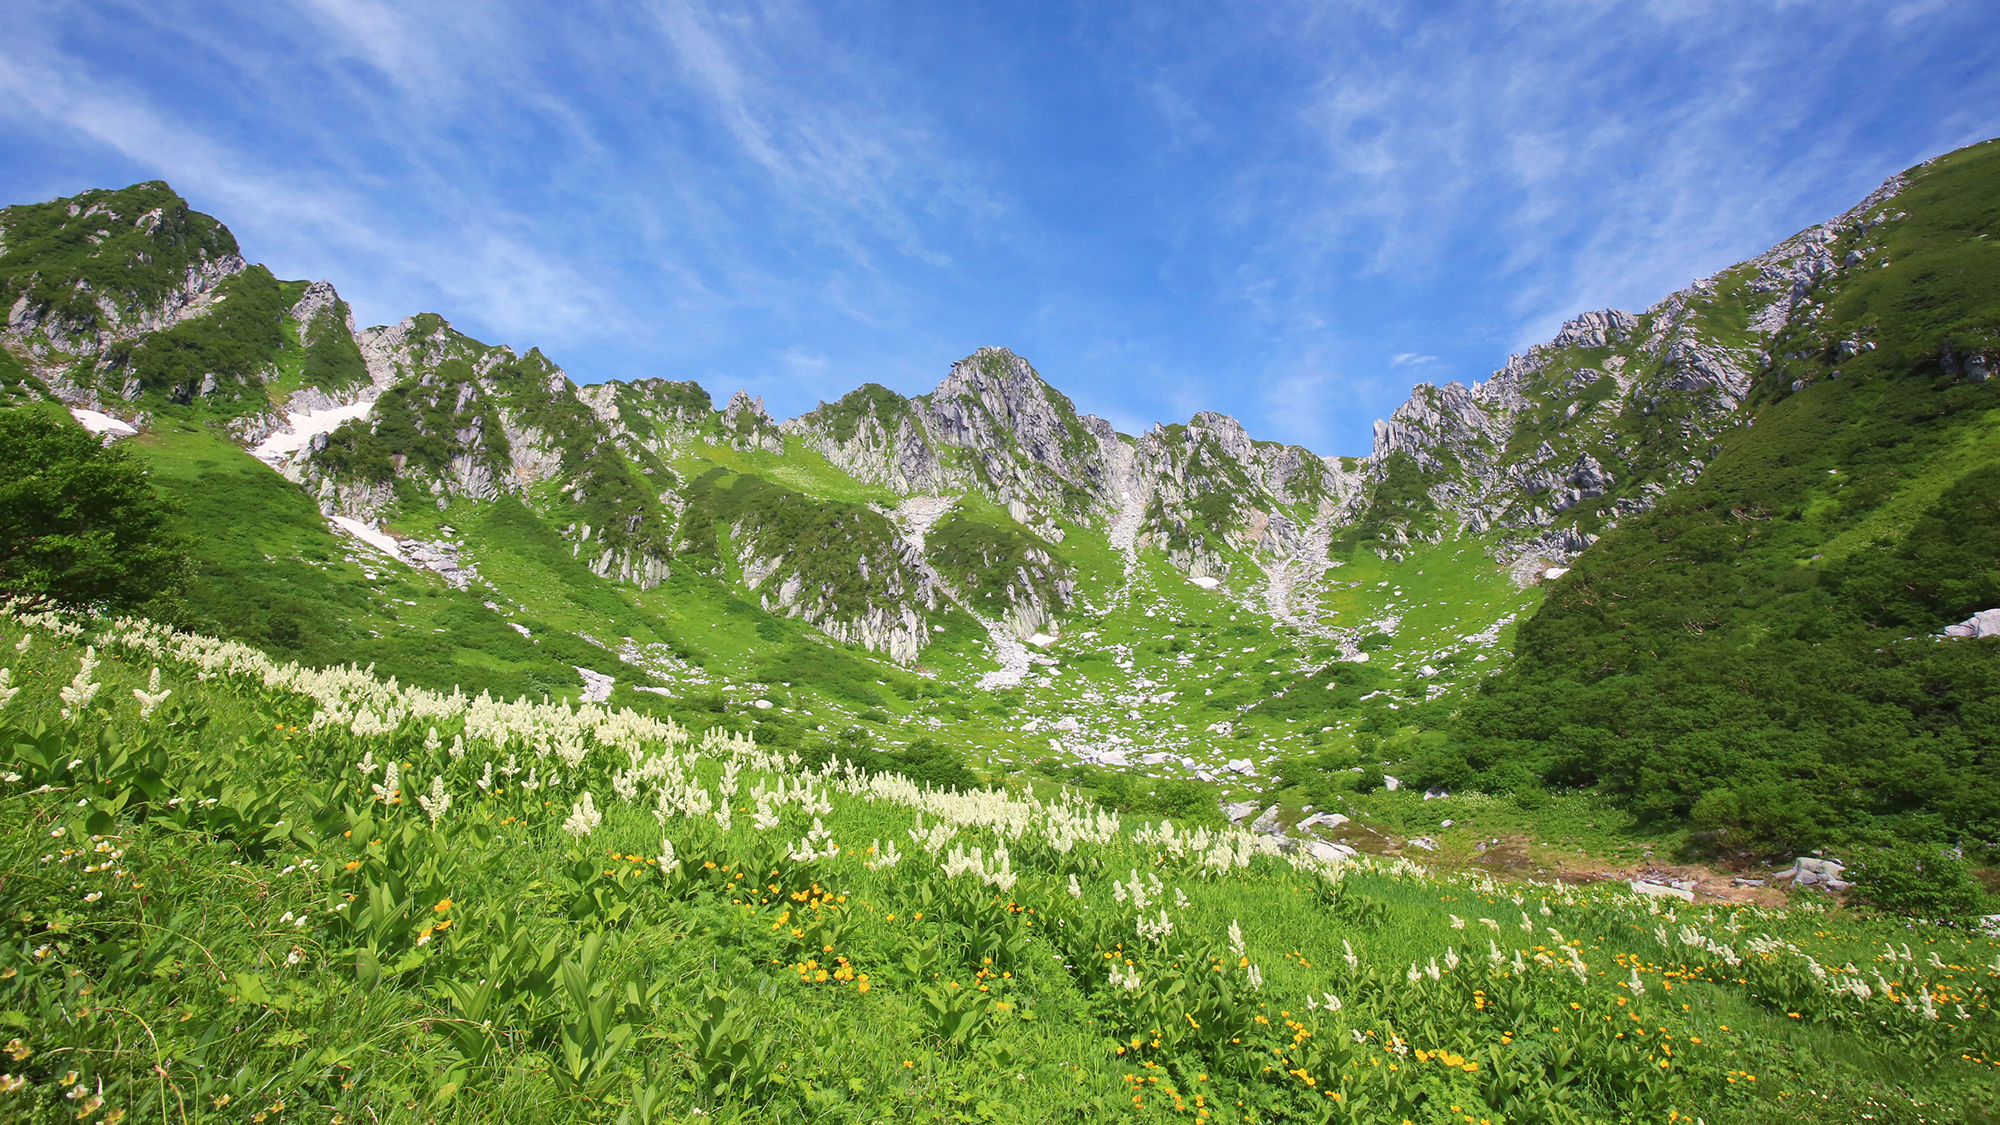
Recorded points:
(1287, 212)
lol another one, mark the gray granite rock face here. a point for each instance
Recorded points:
(1570, 435)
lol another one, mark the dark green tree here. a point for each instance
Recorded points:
(80, 526)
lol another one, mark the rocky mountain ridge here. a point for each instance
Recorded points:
(128, 302)
(1617, 409)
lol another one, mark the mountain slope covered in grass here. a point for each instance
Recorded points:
(239, 889)
(1688, 560)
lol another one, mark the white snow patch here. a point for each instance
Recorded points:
(1206, 581)
(98, 423)
(1555, 572)
(281, 446)
(1041, 640)
(373, 536)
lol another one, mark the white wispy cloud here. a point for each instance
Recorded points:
(1542, 158)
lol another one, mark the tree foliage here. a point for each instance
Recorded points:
(80, 526)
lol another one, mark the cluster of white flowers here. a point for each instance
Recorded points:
(153, 695)
(583, 816)
(881, 858)
(1155, 930)
(934, 838)
(438, 802)
(997, 872)
(7, 690)
(1140, 895)
(818, 844)
(84, 687)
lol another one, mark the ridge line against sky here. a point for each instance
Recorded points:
(1287, 212)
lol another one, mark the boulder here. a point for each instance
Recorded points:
(1326, 850)
(1239, 810)
(1268, 823)
(1985, 623)
(1661, 890)
(1326, 820)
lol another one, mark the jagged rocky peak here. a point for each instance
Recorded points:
(993, 399)
(1027, 439)
(749, 425)
(320, 298)
(104, 266)
(874, 434)
(657, 413)
(1595, 329)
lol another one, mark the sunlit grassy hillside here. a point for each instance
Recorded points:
(236, 890)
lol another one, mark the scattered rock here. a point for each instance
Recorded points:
(1238, 810)
(1662, 890)
(597, 685)
(1318, 820)
(1807, 871)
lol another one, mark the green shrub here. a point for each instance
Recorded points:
(1918, 881)
(80, 524)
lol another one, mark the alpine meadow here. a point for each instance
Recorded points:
(399, 730)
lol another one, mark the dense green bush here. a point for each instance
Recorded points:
(1919, 881)
(80, 527)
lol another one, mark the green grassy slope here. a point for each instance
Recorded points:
(225, 908)
(1756, 650)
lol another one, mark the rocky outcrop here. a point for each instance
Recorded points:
(749, 426)
(153, 263)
